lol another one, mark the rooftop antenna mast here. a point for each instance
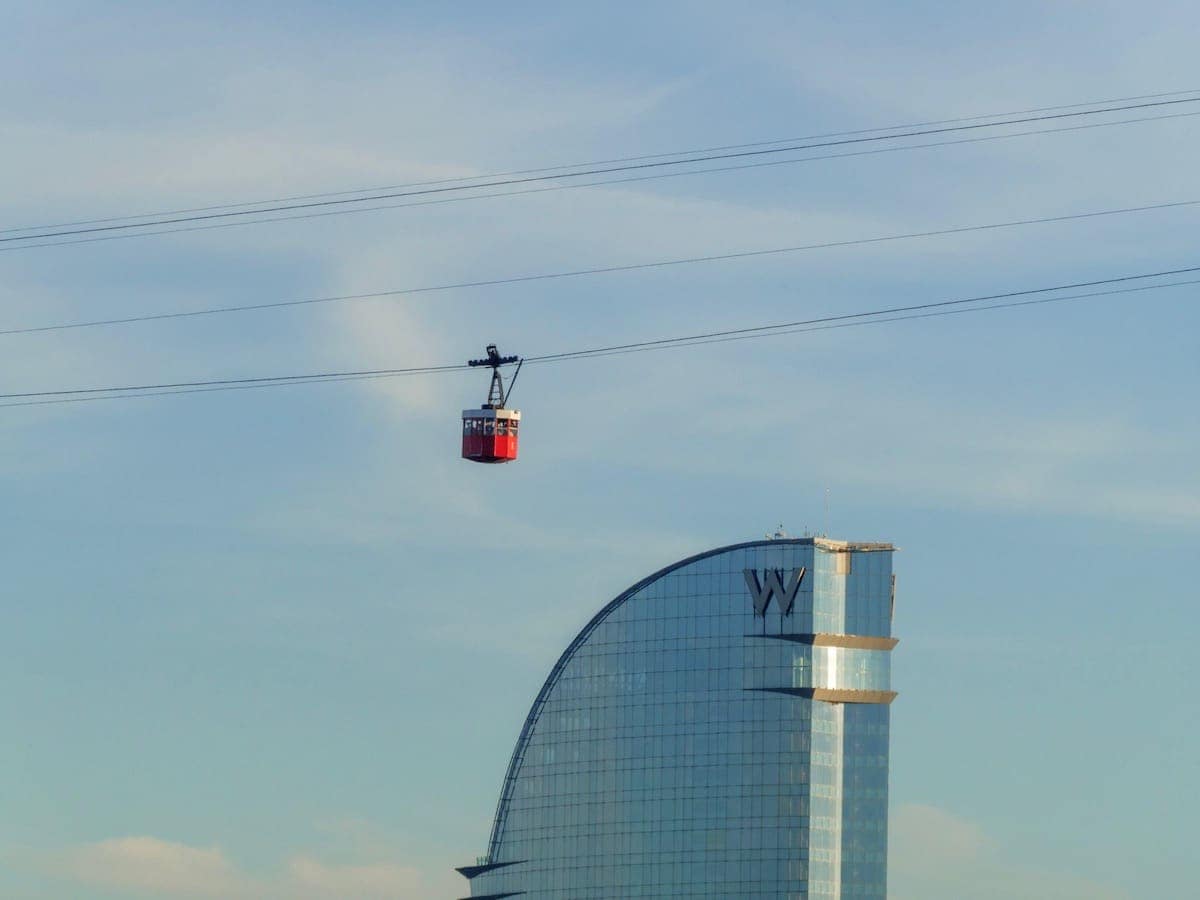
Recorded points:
(497, 396)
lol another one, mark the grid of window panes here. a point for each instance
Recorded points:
(663, 765)
(864, 800)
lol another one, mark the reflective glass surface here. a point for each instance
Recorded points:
(673, 752)
(839, 668)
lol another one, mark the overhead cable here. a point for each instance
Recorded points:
(783, 327)
(877, 316)
(622, 159)
(587, 172)
(586, 184)
(595, 270)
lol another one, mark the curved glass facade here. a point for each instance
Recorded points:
(719, 730)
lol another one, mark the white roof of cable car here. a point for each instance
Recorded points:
(491, 414)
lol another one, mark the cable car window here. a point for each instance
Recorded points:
(489, 426)
(512, 425)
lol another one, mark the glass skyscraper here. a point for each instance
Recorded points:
(720, 729)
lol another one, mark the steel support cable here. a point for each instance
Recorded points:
(600, 170)
(558, 168)
(878, 316)
(266, 379)
(693, 343)
(881, 320)
(575, 186)
(231, 387)
(761, 329)
(600, 270)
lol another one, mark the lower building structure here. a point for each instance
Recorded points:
(720, 729)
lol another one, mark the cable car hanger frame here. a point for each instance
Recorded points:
(489, 433)
(497, 396)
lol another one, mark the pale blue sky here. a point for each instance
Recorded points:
(279, 643)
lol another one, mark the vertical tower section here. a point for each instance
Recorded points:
(854, 594)
(720, 729)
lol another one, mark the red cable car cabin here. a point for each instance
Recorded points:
(490, 432)
(490, 435)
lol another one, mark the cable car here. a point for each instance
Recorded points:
(489, 434)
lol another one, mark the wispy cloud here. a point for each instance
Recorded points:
(152, 867)
(936, 855)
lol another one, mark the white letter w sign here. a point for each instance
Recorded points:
(772, 585)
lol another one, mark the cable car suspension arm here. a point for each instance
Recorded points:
(497, 396)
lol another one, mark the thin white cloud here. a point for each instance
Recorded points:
(940, 448)
(151, 867)
(368, 882)
(935, 855)
(926, 838)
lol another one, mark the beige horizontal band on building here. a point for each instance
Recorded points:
(830, 695)
(851, 641)
(851, 546)
(854, 641)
